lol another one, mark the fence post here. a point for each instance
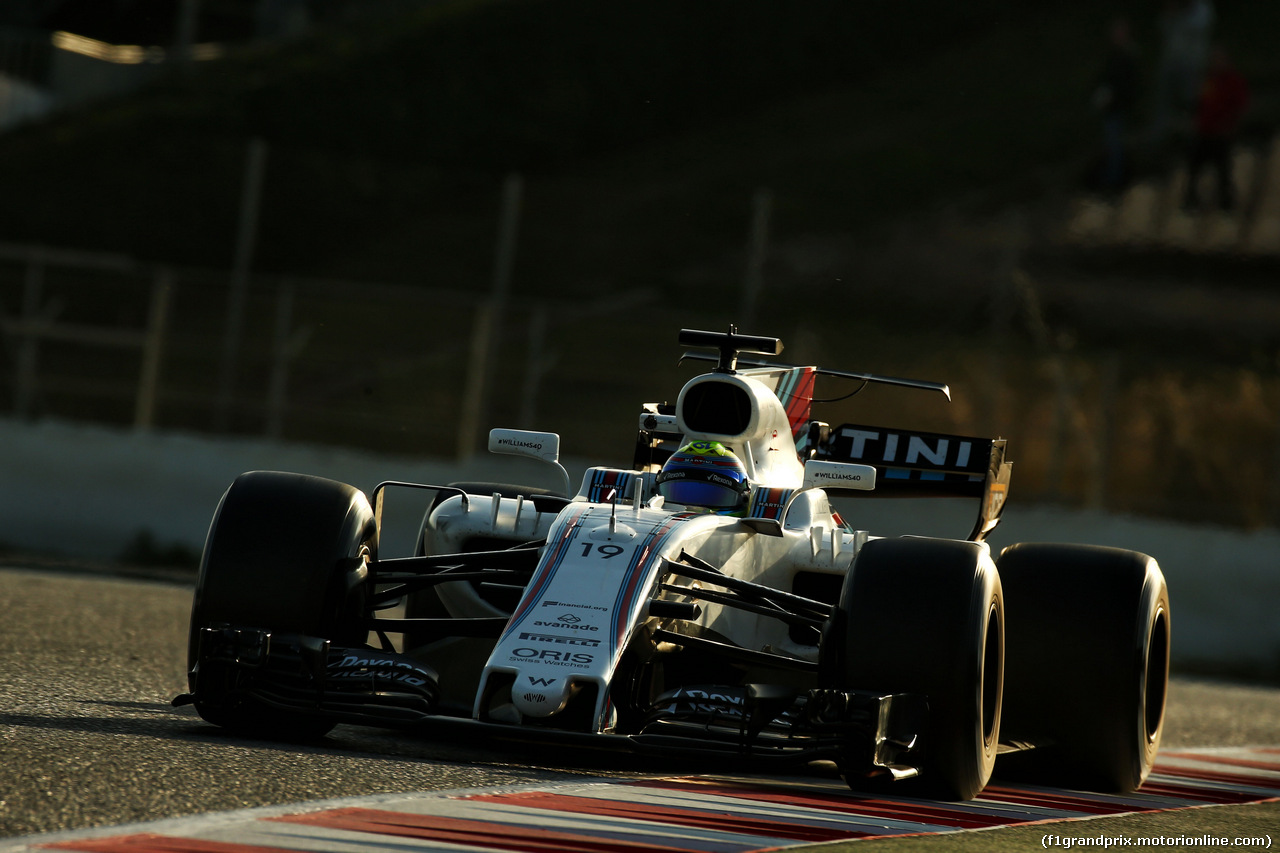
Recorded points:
(1065, 404)
(487, 331)
(1108, 396)
(1059, 440)
(535, 366)
(1005, 293)
(473, 391)
(184, 36)
(288, 343)
(250, 197)
(29, 350)
(144, 412)
(757, 246)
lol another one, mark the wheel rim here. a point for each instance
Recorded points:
(992, 666)
(1155, 679)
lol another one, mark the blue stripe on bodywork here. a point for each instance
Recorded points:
(542, 579)
(629, 590)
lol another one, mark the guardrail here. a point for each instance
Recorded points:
(38, 321)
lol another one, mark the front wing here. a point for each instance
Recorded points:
(866, 732)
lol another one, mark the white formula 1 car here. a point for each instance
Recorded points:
(706, 600)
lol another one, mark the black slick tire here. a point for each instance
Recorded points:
(286, 553)
(1088, 671)
(926, 616)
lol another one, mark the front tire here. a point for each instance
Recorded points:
(926, 616)
(286, 553)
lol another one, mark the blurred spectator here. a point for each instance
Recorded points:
(1186, 27)
(1223, 99)
(1115, 98)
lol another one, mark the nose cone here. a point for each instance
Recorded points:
(534, 698)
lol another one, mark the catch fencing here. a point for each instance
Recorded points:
(394, 368)
(426, 370)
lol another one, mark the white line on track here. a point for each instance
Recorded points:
(692, 813)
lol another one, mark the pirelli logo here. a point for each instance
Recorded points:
(557, 639)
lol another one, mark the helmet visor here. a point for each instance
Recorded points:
(700, 493)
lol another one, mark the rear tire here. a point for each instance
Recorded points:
(286, 553)
(926, 616)
(1088, 669)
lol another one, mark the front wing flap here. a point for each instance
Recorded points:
(310, 677)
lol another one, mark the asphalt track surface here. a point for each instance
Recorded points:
(88, 738)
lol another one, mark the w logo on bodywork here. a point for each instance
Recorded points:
(541, 682)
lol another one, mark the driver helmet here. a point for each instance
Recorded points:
(705, 474)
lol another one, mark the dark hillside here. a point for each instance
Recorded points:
(853, 112)
(894, 140)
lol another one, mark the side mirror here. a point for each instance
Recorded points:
(822, 474)
(543, 446)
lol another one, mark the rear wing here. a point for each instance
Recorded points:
(909, 463)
